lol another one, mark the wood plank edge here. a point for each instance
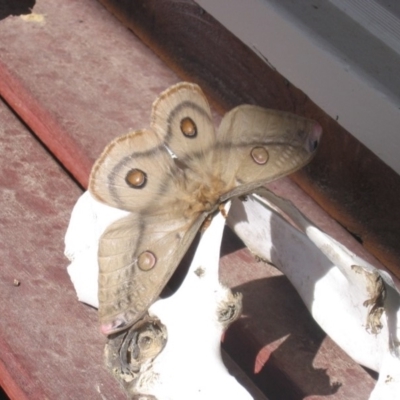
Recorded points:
(44, 126)
(14, 380)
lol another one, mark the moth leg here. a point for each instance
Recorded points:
(206, 223)
(221, 208)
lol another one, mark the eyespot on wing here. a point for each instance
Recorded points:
(134, 172)
(181, 117)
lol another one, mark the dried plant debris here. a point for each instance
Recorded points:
(377, 292)
(33, 17)
(230, 309)
(129, 354)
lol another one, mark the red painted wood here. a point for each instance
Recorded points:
(78, 80)
(50, 345)
(55, 137)
(7, 382)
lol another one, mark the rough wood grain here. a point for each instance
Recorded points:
(50, 345)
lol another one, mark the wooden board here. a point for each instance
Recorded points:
(50, 345)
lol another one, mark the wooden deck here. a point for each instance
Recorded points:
(72, 78)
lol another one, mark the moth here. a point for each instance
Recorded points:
(173, 175)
